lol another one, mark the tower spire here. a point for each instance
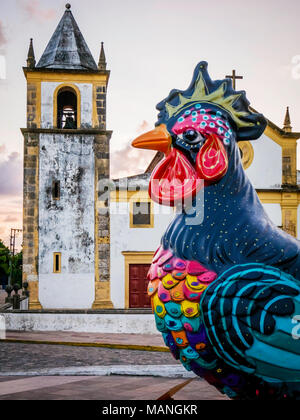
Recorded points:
(287, 122)
(30, 56)
(102, 59)
(67, 48)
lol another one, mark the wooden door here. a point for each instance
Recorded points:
(138, 297)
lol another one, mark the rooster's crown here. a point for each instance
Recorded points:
(219, 94)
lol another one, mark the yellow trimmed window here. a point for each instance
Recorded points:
(141, 214)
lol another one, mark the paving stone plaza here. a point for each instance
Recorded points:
(82, 373)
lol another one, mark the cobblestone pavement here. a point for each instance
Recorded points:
(60, 337)
(25, 357)
(15, 357)
(104, 388)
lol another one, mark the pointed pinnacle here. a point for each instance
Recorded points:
(30, 56)
(287, 121)
(102, 59)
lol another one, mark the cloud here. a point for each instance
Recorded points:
(3, 39)
(36, 10)
(2, 148)
(10, 217)
(11, 175)
(129, 161)
(144, 126)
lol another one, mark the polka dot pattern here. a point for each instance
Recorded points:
(204, 120)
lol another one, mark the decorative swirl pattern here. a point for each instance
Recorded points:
(241, 309)
(232, 330)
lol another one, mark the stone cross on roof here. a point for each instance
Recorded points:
(234, 77)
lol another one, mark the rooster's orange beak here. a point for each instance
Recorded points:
(157, 139)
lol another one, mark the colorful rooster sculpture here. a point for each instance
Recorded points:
(225, 289)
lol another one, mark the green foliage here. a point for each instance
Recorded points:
(4, 259)
(10, 264)
(16, 269)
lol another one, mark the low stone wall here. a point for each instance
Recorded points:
(81, 322)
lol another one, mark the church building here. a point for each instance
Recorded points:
(84, 249)
(66, 152)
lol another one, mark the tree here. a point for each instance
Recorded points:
(4, 263)
(16, 269)
(10, 265)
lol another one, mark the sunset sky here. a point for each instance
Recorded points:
(151, 47)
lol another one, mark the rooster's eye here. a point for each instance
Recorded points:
(192, 136)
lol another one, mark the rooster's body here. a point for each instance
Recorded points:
(225, 287)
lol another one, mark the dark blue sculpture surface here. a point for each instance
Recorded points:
(225, 290)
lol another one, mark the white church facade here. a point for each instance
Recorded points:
(84, 248)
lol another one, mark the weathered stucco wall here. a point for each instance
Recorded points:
(124, 238)
(67, 225)
(94, 323)
(47, 105)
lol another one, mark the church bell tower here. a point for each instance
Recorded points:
(66, 153)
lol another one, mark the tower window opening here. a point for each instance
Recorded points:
(57, 262)
(56, 190)
(67, 109)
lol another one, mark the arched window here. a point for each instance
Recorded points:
(67, 108)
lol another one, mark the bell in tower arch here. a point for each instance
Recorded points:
(67, 109)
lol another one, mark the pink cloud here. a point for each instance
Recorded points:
(10, 194)
(36, 10)
(2, 148)
(129, 161)
(3, 39)
(11, 175)
(10, 217)
(144, 126)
